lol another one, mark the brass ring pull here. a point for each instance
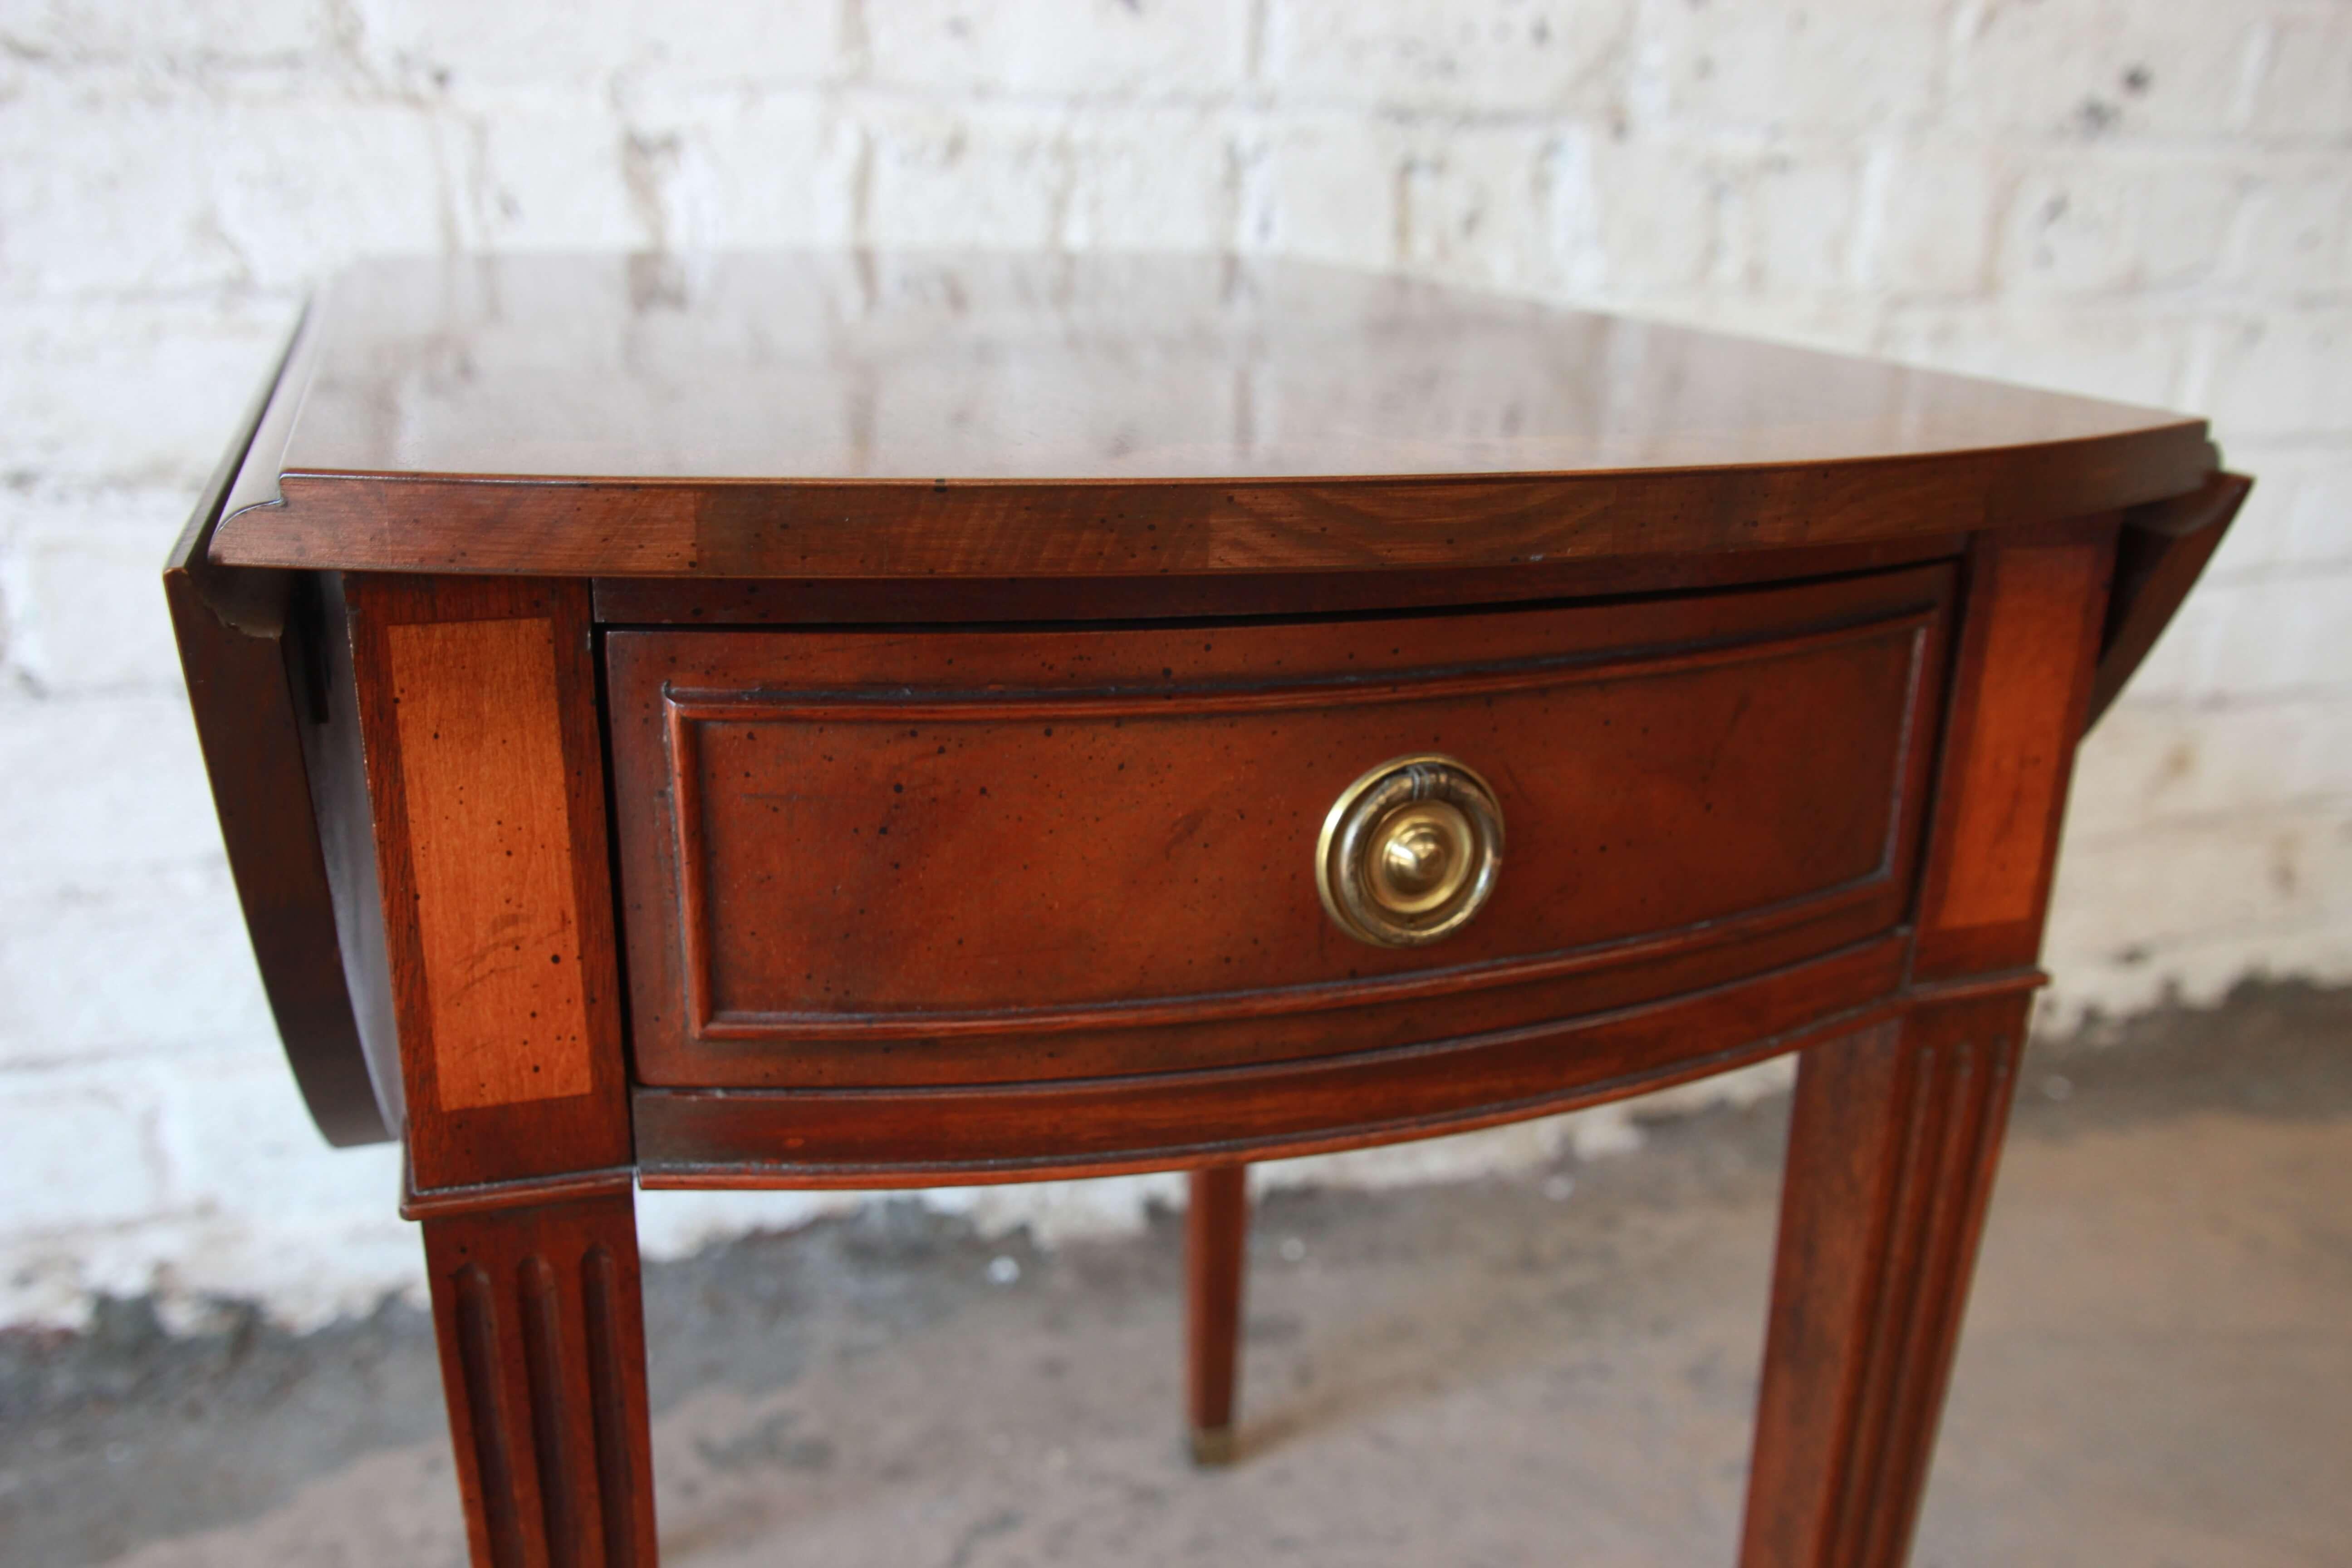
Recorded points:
(1409, 852)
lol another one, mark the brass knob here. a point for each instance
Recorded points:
(1409, 851)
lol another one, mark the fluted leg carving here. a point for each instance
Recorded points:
(543, 1363)
(1893, 1141)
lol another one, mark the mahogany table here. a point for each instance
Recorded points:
(872, 720)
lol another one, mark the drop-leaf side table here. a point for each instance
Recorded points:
(872, 720)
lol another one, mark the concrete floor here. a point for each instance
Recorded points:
(2157, 1368)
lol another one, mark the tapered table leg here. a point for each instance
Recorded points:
(1891, 1144)
(543, 1363)
(1216, 1231)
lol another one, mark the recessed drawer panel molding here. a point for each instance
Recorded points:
(877, 858)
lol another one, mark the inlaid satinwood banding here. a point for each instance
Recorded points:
(481, 761)
(2043, 601)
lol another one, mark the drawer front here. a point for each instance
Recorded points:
(893, 858)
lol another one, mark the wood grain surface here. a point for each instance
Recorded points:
(1173, 1121)
(478, 705)
(243, 651)
(958, 855)
(1061, 596)
(1893, 1141)
(797, 416)
(2159, 555)
(539, 1314)
(2017, 748)
(932, 601)
(481, 763)
(2029, 636)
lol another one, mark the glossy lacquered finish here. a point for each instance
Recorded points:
(259, 696)
(860, 720)
(476, 710)
(857, 860)
(778, 415)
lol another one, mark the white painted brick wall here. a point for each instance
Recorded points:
(2148, 200)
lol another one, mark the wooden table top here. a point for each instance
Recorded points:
(825, 414)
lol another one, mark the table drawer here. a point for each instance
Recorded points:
(903, 857)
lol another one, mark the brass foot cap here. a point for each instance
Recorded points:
(1213, 1446)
